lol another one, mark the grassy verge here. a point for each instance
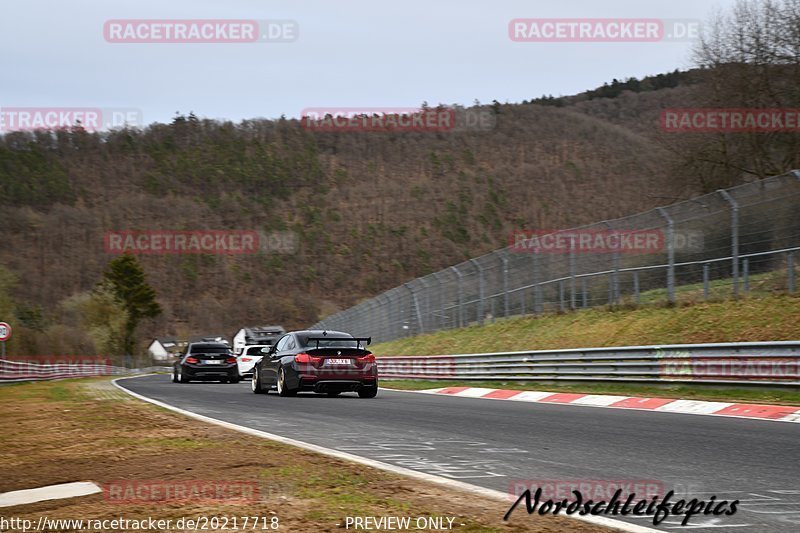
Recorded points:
(770, 318)
(79, 430)
(763, 396)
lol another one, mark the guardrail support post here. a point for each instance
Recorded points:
(670, 254)
(705, 280)
(480, 290)
(734, 239)
(790, 271)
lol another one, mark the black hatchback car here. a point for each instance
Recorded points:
(327, 362)
(208, 361)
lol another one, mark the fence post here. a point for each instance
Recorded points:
(734, 239)
(670, 254)
(460, 289)
(415, 307)
(561, 303)
(437, 314)
(705, 281)
(585, 293)
(790, 271)
(504, 259)
(425, 307)
(637, 298)
(746, 275)
(572, 272)
(613, 282)
(537, 296)
(480, 290)
(380, 312)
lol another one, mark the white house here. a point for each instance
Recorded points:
(162, 348)
(256, 335)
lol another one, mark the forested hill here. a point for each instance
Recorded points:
(369, 209)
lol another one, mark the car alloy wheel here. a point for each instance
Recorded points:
(255, 384)
(282, 389)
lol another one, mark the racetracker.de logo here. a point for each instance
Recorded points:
(734, 120)
(589, 30)
(56, 118)
(781, 368)
(602, 241)
(208, 31)
(58, 366)
(397, 119)
(195, 491)
(222, 242)
(596, 489)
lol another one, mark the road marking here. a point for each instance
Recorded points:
(51, 492)
(450, 483)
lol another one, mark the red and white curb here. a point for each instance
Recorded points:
(778, 413)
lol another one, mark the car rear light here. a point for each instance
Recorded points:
(191, 360)
(306, 359)
(369, 358)
(230, 360)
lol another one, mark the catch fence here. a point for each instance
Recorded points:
(728, 243)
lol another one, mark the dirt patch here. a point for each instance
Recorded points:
(83, 430)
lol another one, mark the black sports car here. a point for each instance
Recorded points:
(206, 361)
(329, 362)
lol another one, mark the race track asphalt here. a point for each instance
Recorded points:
(498, 444)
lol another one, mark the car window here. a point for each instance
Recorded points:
(330, 343)
(282, 343)
(254, 351)
(209, 348)
(291, 345)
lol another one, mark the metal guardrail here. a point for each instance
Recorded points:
(14, 371)
(744, 363)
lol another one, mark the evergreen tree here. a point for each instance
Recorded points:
(127, 281)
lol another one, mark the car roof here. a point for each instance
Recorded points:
(203, 345)
(323, 333)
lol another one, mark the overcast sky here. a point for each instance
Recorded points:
(354, 53)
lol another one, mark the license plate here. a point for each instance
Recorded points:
(213, 362)
(337, 361)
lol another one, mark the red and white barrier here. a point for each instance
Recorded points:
(781, 413)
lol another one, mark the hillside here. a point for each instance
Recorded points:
(768, 318)
(370, 210)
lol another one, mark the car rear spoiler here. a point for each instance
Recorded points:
(359, 340)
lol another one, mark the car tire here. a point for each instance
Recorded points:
(234, 380)
(255, 384)
(333, 394)
(367, 392)
(282, 390)
(174, 375)
(181, 377)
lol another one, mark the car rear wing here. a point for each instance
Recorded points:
(359, 340)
